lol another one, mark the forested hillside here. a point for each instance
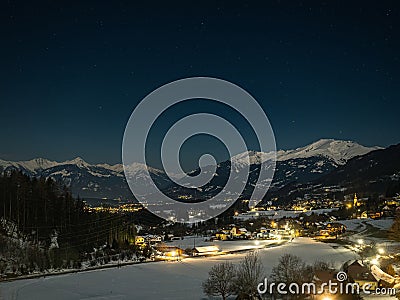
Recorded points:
(43, 227)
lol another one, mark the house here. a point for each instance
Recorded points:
(168, 252)
(387, 211)
(393, 202)
(263, 233)
(245, 233)
(322, 277)
(239, 233)
(279, 234)
(222, 235)
(235, 232)
(362, 275)
(139, 240)
(263, 230)
(336, 228)
(331, 230)
(205, 250)
(375, 215)
(153, 239)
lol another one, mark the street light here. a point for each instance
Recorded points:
(381, 251)
(360, 241)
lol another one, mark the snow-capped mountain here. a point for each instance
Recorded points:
(335, 150)
(305, 163)
(338, 151)
(103, 180)
(300, 165)
(32, 166)
(89, 180)
(377, 172)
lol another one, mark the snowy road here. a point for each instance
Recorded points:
(159, 280)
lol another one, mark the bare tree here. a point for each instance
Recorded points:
(290, 268)
(320, 265)
(220, 281)
(250, 273)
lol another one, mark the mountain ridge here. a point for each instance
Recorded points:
(109, 181)
(312, 149)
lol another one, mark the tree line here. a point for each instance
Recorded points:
(53, 227)
(243, 280)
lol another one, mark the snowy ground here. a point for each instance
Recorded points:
(368, 235)
(192, 241)
(359, 224)
(354, 224)
(279, 214)
(383, 224)
(159, 280)
(362, 231)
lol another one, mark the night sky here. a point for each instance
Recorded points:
(71, 74)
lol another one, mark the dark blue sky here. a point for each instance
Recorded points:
(71, 74)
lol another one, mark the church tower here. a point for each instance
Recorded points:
(355, 201)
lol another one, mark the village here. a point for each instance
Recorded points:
(351, 223)
(354, 234)
(321, 220)
(350, 235)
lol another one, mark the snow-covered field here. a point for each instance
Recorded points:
(368, 235)
(279, 214)
(383, 224)
(191, 242)
(359, 224)
(354, 224)
(159, 280)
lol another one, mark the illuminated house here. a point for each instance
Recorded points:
(222, 235)
(205, 250)
(336, 228)
(238, 232)
(362, 275)
(139, 240)
(168, 252)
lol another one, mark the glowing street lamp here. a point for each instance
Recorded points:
(381, 251)
(360, 241)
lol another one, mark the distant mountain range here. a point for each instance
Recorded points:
(87, 180)
(376, 172)
(297, 166)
